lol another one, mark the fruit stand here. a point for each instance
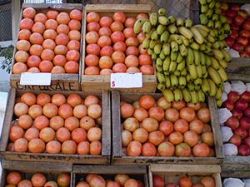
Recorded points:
(143, 94)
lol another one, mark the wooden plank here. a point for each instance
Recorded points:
(102, 82)
(236, 1)
(70, 82)
(238, 65)
(104, 158)
(118, 156)
(110, 170)
(175, 171)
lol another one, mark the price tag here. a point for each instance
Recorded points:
(35, 79)
(126, 80)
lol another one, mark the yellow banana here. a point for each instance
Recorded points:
(214, 75)
(168, 94)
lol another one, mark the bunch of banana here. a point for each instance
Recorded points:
(212, 18)
(190, 63)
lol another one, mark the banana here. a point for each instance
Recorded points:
(188, 77)
(166, 64)
(138, 26)
(171, 19)
(213, 88)
(219, 93)
(159, 62)
(181, 66)
(198, 81)
(223, 63)
(194, 97)
(172, 29)
(182, 81)
(203, 27)
(173, 80)
(197, 87)
(150, 51)
(157, 49)
(197, 35)
(153, 18)
(162, 56)
(218, 54)
(176, 38)
(179, 22)
(184, 72)
(152, 44)
(145, 43)
(201, 96)
(179, 58)
(190, 87)
(160, 86)
(188, 23)
(177, 73)
(186, 95)
(185, 32)
(178, 95)
(160, 77)
(215, 64)
(164, 36)
(190, 57)
(208, 60)
(159, 68)
(219, 102)
(168, 94)
(214, 75)
(185, 41)
(192, 71)
(174, 46)
(172, 66)
(160, 29)
(203, 59)
(196, 57)
(163, 20)
(154, 56)
(167, 82)
(203, 19)
(162, 11)
(146, 27)
(199, 71)
(205, 86)
(204, 70)
(183, 50)
(154, 35)
(223, 75)
(173, 56)
(195, 46)
(166, 49)
(226, 55)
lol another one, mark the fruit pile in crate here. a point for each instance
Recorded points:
(48, 41)
(235, 118)
(238, 17)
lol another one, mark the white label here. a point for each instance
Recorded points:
(126, 80)
(35, 79)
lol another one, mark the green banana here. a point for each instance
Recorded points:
(179, 22)
(190, 87)
(188, 23)
(173, 80)
(146, 27)
(218, 54)
(167, 82)
(223, 63)
(214, 75)
(160, 29)
(159, 68)
(201, 96)
(208, 60)
(160, 77)
(183, 50)
(154, 36)
(205, 86)
(152, 44)
(203, 27)
(174, 46)
(162, 11)
(185, 32)
(186, 95)
(162, 56)
(219, 102)
(166, 49)
(215, 64)
(219, 93)
(213, 88)
(173, 56)
(199, 71)
(203, 58)
(168, 94)
(179, 58)
(163, 20)
(177, 73)
(195, 46)
(153, 18)
(178, 95)
(226, 55)
(166, 64)
(160, 86)
(192, 71)
(198, 81)
(176, 38)
(182, 81)
(157, 49)
(196, 57)
(184, 72)
(185, 41)
(164, 36)
(138, 26)
(223, 75)
(190, 57)
(203, 19)
(145, 43)
(197, 35)
(171, 19)
(172, 66)
(194, 97)
(172, 28)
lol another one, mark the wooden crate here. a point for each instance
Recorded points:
(102, 82)
(51, 170)
(68, 82)
(239, 66)
(233, 164)
(119, 158)
(139, 172)
(104, 158)
(173, 172)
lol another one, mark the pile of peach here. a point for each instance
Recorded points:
(48, 41)
(160, 128)
(113, 47)
(15, 178)
(56, 124)
(93, 180)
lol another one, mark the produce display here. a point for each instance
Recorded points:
(232, 182)
(16, 178)
(156, 127)
(113, 47)
(240, 28)
(184, 181)
(48, 41)
(236, 128)
(57, 124)
(93, 180)
(190, 61)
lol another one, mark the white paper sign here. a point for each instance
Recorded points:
(126, 80)
(224, 115)
(35, 79)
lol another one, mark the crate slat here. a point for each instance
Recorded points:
(119, 158)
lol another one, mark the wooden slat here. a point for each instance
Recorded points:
(102, 82)
(236, 1)
(119, 158)
(104, 158)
